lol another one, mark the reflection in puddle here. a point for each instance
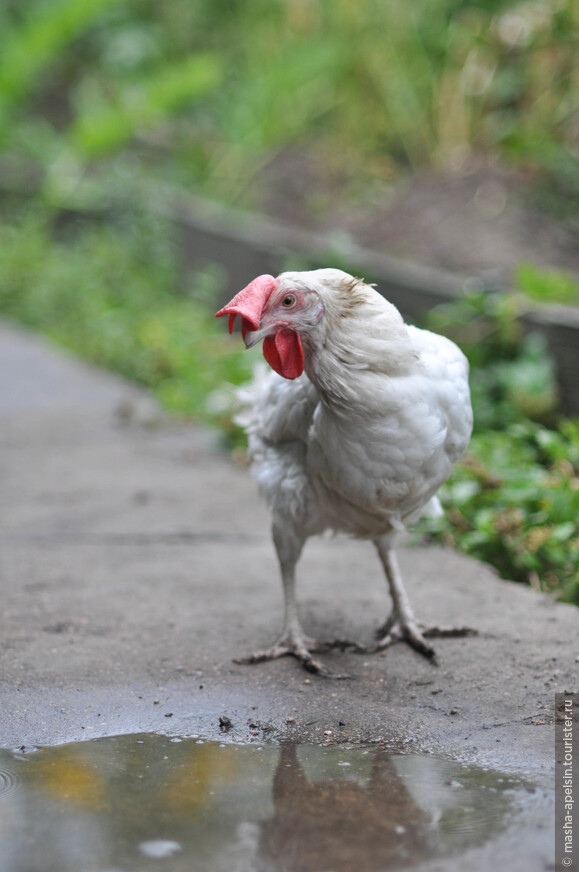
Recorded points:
(151, 802)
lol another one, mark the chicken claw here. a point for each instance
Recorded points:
(401, 625)
(415, 633)
(301, 648)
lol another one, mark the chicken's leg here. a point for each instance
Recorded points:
(401, 624)
(293, 641)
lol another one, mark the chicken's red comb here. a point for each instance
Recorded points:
(249, 304)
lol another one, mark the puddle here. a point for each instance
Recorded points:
(151, 802)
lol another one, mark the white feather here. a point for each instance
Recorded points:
(361, 442)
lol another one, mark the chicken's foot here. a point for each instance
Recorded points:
(293, 641)
(301, 647)
(416, 633)
(401, 625)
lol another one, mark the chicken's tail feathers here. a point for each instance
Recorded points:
(432, 509)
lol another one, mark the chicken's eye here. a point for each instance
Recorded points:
(289, 301)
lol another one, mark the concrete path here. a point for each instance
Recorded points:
(136, 563)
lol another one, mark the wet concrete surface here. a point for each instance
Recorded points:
(136, 563)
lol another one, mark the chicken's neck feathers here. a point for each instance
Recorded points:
(355, 344)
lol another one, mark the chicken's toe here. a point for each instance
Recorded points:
(297, 647)
(415, 633)
(408, 633)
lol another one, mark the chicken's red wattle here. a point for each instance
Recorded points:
(284, 353)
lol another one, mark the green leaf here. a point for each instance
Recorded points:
(26, 50)
(143, 105)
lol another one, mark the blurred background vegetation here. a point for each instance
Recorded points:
(102, 102)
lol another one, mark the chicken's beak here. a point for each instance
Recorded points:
(253, 337)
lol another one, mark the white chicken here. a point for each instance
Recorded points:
(355, 431)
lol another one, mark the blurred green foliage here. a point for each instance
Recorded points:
(513, 500)
(206, 93)
(547, 286)
(107, 127)
(512, 375)
(33, 40)
(116, 294)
